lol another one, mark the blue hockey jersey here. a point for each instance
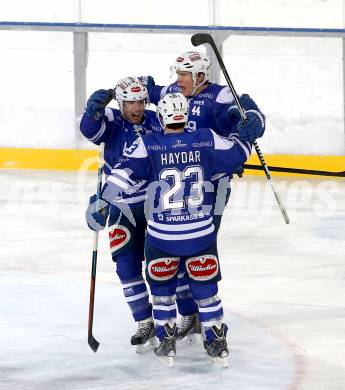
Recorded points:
(179, 168)
(213, 107)
(118, 134)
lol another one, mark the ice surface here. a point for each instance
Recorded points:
(282, 290)
(283, 286)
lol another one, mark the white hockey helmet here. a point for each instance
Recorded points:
(193, 62)
(130, 89)
(172, 108)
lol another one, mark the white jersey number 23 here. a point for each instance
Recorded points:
(196, 196)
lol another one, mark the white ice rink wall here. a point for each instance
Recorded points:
(291, 63)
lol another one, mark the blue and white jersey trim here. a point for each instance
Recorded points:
(121, 179)
(130, 199)
(210, 308)
(164, 308)
(133, 192)
(180, 226)
(137, 296)
(99, 133)
(221, 143)
(109, 113)
(246, 146)
(186, 236)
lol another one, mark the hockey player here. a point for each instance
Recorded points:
(118, 129)
(210, 105)
(181, 235)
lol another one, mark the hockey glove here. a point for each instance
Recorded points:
(96, 219)
(239, 171)
(252, 128)
(95, 106)
(247, 103)
(148, 81)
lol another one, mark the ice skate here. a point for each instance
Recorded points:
(144, 338)
(166, 350)
(217, 349)
(188, 328)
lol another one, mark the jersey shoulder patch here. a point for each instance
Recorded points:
(137, 149)
(225, 96)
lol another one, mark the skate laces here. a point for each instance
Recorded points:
(185, 322)
(144, 328)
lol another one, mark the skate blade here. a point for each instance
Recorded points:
(168, 361)
(221, 361)
(147, 347)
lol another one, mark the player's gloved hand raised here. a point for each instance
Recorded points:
(252, 128)
(97, 102)
(96, 219)
(148, 81)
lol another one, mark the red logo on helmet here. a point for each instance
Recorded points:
(163, 269)
(179, 59)
(135, 89)
(202, 267)
(178, 117)
(118, 237)
(195, 56)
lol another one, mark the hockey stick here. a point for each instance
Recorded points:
(93, 343)
(199, 39)
(297, 170)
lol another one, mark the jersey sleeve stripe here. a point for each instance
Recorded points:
(222, 143)
(109, 114)
(131, 199)
(99, 133)
(122, 174)
(119, 182)
(246, 146)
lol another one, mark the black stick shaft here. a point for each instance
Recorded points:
(199, 39)
(313, 172)
(93, 343)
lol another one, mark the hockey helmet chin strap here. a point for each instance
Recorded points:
(195, 87)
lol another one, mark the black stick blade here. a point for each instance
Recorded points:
(199, 39)
(94, 344)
